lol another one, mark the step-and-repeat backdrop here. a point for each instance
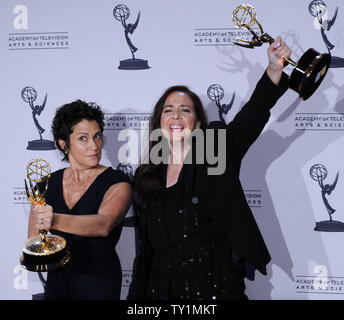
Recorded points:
(123, 55)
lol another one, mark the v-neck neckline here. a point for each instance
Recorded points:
(83, 195)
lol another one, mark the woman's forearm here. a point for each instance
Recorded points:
(92, 225)
(111, 212)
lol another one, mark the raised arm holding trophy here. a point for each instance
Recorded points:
(198, 238)
(308, 72)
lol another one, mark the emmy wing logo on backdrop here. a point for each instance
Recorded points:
(127, 169)
(216, 93)
(318, 172)
(29, 95)
(121, 13)
(318, 9)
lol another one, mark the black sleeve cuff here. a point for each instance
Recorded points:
(271, 92)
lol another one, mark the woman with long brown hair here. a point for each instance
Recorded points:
(199, 239)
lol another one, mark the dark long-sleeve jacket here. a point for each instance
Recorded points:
(219, 199)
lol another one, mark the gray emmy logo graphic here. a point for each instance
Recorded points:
(29, 95)
(318, 172)
(121, 13)
(216, 93)
(127, 169)
(318, 9)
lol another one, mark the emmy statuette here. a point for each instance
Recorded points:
(45, 252)
(121, 13)
(29, 95)
(318, 172)
(308, 72)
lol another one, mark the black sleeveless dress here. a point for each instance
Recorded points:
(94, 270)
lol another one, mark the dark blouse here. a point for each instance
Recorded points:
(94, 270)
(188, 261)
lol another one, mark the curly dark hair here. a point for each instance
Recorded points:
(70, 114)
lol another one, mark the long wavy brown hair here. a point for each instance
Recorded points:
(149, 177)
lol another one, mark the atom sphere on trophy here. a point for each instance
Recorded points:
(127, 169)
(318, 172)
(215, 92)
(317, 8)
(121, 12)
(29, 94)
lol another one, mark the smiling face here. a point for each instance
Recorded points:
(85, 145)
(178, 118)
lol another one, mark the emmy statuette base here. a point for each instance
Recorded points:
(41, 145)
(133, 64)
(329, 226)
(309, 72)
(45, 255)
(49, 266)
